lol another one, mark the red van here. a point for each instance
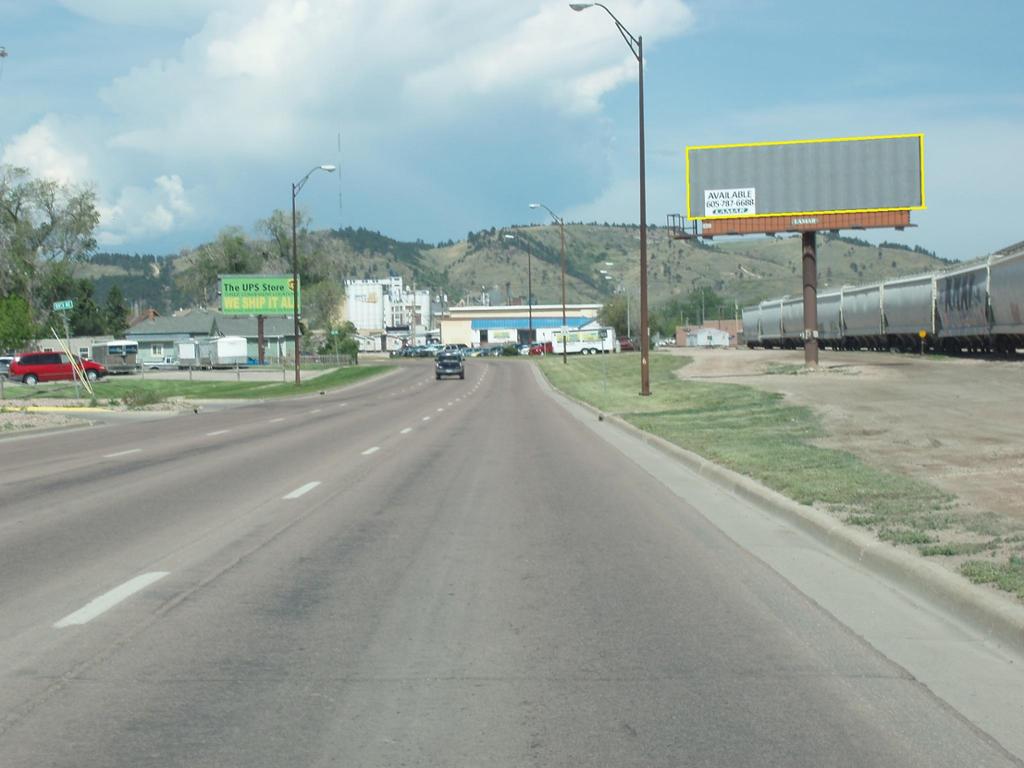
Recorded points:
(32, 367)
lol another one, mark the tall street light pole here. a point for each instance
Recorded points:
(561, 229)
(296, 188)
(529, 288)
(636, 46)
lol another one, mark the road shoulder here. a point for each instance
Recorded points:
(958, 639)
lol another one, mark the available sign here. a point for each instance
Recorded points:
(63, 306)
(257, 295)
(730, 202)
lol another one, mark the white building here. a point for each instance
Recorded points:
(375, 305)
(707, 337)
(387, 314)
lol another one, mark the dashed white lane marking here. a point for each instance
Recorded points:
(368, 451)
(316, 410)
(105, 602)
(218, 432)
(440, 410)
(302, 490)
(450, 404)
(426, 418)
(342, 405)
(274, 421)
(121, 453)
(406, 431)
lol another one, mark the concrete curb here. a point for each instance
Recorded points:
(986, 611)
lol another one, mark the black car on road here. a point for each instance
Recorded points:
(449, 364)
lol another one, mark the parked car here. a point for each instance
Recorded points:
(626, 344)
(163, 364)
(449, 364)
(32, 367)
(542, 348)
(5, 365)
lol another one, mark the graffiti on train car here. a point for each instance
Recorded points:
(962, 292)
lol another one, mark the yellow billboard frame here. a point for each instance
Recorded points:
(918, 136)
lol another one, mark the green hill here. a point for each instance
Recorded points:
(495, 260)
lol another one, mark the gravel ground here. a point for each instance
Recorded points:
(15, 416)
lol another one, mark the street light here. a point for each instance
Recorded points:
(636, 47)
(561, 226)
(296, 188)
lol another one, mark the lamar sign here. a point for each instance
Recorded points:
(257, 295)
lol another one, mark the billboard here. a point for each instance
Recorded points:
(805, 178)
(257, 295)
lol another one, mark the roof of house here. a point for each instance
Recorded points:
(206, 322)
(234, 325)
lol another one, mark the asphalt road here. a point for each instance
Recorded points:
(414, 573)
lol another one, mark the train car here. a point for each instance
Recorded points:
(1006, 297)
(792, 323)
(962, 309)
(862, 317)
(752, 326)
(908, 307)
(771, 323)
(830, 319)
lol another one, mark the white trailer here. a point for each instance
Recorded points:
(591, 341)
(188, 354)
(223, 352)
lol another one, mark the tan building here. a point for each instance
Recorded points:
(487, 326)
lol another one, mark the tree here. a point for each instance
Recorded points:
(43, 224)
(320, 303)
(15, 323)
(86, 319)
(230, 254)
(115, 312)
(613, 313)
(341, 341)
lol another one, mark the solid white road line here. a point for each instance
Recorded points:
(218, 432)
(105, 602)
(368, 451)
(121, 453)
(274, 421)
(406, 431)
(302, 491)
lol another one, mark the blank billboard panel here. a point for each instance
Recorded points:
(871, 173)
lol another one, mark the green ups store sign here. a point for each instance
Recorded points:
(257, 295)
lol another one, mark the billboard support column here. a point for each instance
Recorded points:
(810, 259)
(260, 340)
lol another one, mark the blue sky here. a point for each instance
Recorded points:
(193, 115)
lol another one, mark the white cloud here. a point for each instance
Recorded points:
(46, 154)
(574, 59)
(149, 14)
(141, 212)
(270, 73)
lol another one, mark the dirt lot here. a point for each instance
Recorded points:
(956, 423)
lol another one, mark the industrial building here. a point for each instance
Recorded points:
(385, 312)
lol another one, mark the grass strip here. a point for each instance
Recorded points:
(1008, 576)
(135, 391)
